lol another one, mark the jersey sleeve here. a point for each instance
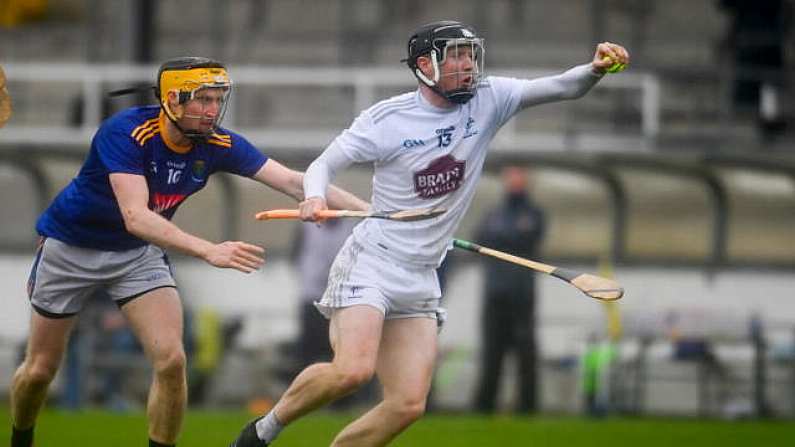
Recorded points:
(570, 84)
(507, 93)
(117, 150)
(356, 144)
(361, 142)
(242, 158)
(512, 95)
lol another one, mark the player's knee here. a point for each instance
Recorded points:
(353, 378)
(409, 410)
(39, 372)
(171, 364)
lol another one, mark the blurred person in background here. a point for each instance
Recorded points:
(595, 377)
(109, 227)
(428, 147)
(515, 226)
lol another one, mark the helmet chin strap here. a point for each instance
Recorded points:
(436, 73)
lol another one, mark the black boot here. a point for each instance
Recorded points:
(248, 437)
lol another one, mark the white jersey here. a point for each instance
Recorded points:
(426, 156)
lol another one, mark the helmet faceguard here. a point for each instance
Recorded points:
(187, 77)
(438, 39)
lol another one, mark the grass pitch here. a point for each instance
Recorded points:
(217, 429)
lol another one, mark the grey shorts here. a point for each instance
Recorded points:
(362, 276)
(63, 276)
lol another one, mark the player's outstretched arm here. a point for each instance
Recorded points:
(132, 195)
(577, 81)
(281, 178)
(291, 182)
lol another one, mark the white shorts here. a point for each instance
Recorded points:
(64, 277)
(360, 275)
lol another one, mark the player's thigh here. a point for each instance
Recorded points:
(47, 340)
(406, 357)
(355, 334)
(156, 319)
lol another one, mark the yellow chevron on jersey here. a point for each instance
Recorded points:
(152, 127)
(144, 128)
(220, 140)
(144, 137)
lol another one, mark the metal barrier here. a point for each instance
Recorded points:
(364, 82)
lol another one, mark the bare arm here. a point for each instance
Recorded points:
(132, 195)
(291, 182)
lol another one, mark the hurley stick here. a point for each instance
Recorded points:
(594, 286)
(402, 216)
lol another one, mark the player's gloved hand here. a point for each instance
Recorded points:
(309, 207)
(236, 255)
(610, 58)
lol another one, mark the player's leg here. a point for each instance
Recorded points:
(57, 288)
(355, 333)
(45, 349)
(156, 319)
(144, 289)
(405, 369)
(356, 309)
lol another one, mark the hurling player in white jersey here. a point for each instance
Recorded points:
(428, 148)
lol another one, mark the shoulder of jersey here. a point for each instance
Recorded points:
(392, 105)
(144, 123)
(149, 126)
(220, 138)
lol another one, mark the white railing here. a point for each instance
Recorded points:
(363, 81)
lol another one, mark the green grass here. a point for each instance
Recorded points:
(217, 429)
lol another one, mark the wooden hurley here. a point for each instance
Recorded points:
(402, 216)
(594, 286)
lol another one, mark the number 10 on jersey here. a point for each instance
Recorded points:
(174, 175)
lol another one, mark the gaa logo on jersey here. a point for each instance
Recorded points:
(442, 176)
(197, 170)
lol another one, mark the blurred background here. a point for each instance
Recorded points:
(676, 177)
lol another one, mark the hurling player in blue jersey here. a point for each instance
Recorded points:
(109, 227)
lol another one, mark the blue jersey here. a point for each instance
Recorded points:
(86, 213)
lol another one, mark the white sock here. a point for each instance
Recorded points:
(268, 428)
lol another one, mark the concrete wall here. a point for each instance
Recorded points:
(718, 304)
